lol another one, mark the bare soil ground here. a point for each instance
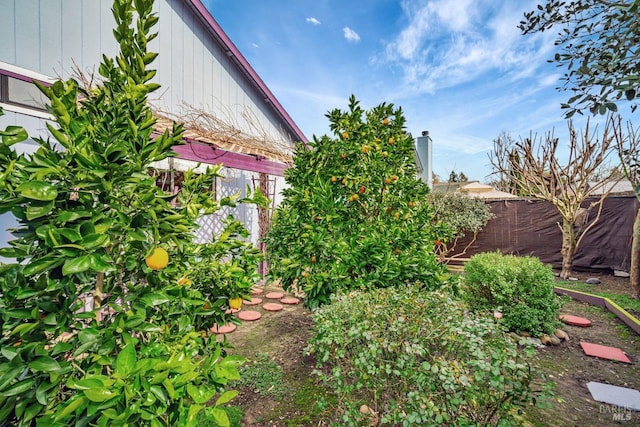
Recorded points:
(283, 336)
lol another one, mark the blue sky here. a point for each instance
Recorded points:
(458, 68)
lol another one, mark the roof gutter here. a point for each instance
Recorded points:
(233, 52)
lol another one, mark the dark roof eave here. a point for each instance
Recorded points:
(244, 66)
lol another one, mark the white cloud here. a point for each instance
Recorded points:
(447, 43)
(456, 15)
(313, 21)
(350, 35)
(550, 80)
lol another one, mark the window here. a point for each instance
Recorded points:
(21, 92)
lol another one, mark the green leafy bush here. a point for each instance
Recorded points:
(464, 214)
(355, 214)
(418, 358)
(521, 288)
(90, 333)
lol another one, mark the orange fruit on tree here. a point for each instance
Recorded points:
(394, 177)
(362, 189)
(392, 140)
(411, 204)
(365, 149)
(344, 181)
(184, 281)
(334, 178)
(384, 154)
(235, 303)
(385, 121)
(345, 135)
(313, 259)
(158, 259)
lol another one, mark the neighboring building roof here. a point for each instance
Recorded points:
(232, 51)
(447, 187)
(483, 191)
(622, 187)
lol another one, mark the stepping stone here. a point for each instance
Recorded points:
(232, 310)
(275, 295)
(290, 300)
(256, 291)
(621, 397)
(604, 352)
(592, 281)
(254, 301)
(249, 315)
(575, 320)
(272, 306)
(225, 329)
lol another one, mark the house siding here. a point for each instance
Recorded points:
(53, 37)
(196, 67)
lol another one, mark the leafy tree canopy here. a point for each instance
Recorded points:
(355, 215)
(598, 42)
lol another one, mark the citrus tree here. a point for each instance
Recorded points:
(105, 314)
(355, 215)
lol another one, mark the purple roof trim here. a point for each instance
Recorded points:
(22, 77)
(208, 154)
(244, 65)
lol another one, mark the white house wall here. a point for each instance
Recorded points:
(53, 37)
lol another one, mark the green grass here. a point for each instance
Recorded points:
(262, 376)
(630, 304)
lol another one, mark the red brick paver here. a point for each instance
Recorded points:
(272, 306)
(249, 315)
(274, 295)
(225, 329)
(604, 352)
(575, 320)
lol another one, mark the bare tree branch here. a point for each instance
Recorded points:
(531, 166)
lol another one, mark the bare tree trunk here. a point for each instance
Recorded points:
(568, 248)
(635, 257)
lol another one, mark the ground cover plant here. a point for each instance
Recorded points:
(355, 214)
(418, 358)
(103, 319)
(519, 288)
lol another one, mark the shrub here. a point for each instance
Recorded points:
(521, 288)
(90, 334)
(355, 214)
(464, 214)
(418, 358)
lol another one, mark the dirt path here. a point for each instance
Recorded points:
(283, 336)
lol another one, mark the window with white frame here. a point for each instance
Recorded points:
(20, 91)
